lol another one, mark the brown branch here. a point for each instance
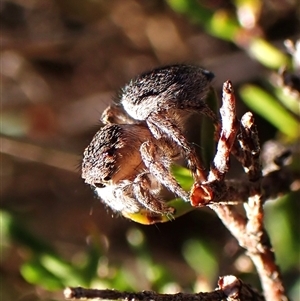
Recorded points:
(230, 126)
(249, 230)
(258, 244)
(273, 185)
(79, 292)
(236, 289)
(250, 148)
(229, 288)
(258, 249)
(212, 190)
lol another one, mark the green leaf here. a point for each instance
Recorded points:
(93, 254)
(21, 235)
(219, 23)
(68, 274)
(267, 54)
(35, 273)
(201, 258)
(282, 223)
(192, 8)
(223, 26)
(288, 101)
(269, 108)
(147, 218)
(5, 221)
(183, 176)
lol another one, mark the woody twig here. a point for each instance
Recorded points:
(248, 230)
(229, 288)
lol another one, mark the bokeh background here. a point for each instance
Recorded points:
(62, 63)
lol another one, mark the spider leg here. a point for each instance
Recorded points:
(142, 192)
(200, 107)
(205, 110)
(116, 114)
(158, 165)
(119, 197)
(163, 126)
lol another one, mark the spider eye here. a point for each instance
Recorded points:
(99, 185)
(110, 152)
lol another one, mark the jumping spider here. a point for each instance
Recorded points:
(129, 159)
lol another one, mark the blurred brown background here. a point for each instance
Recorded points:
(62, 63)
